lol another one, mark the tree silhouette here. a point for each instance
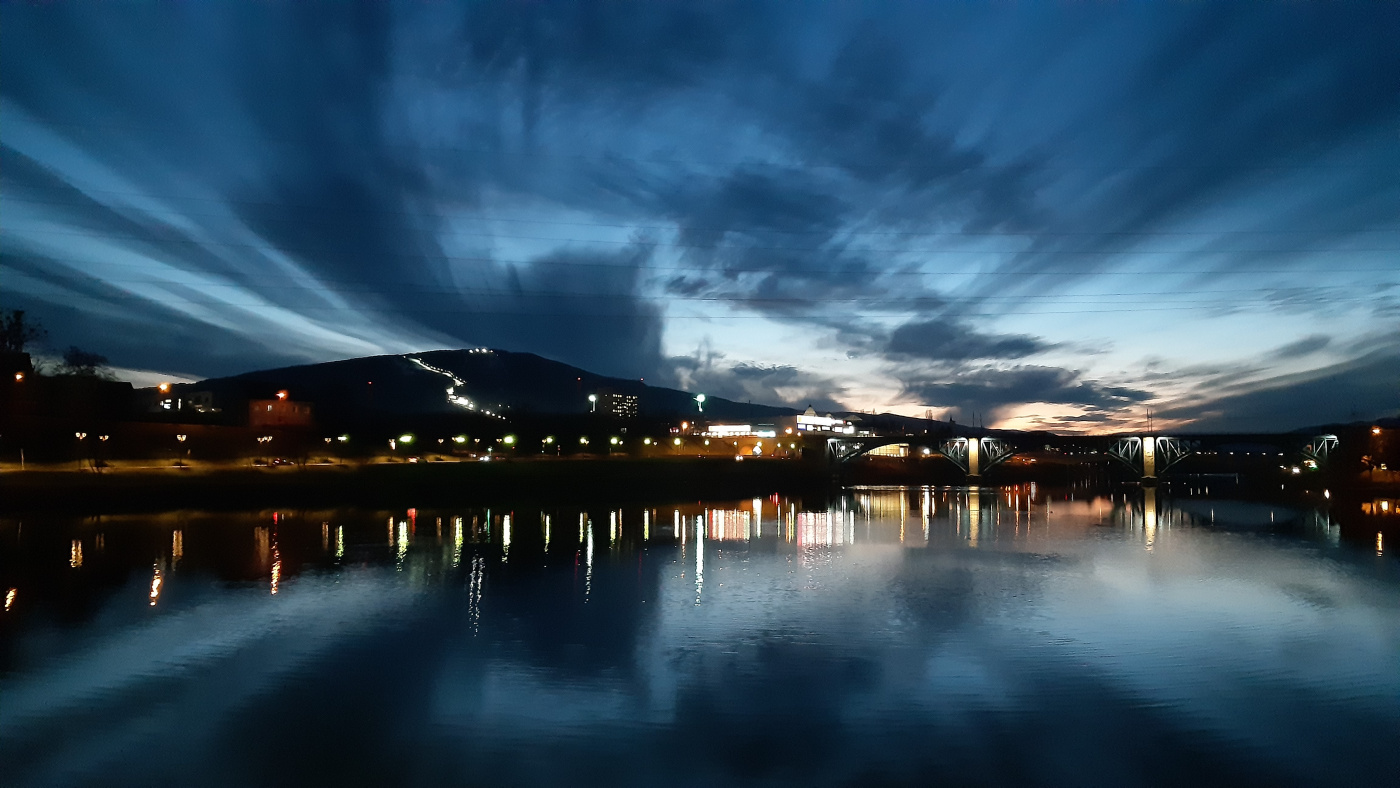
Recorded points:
(81, 363)
(16, 332)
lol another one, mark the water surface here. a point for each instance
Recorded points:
(884, 636)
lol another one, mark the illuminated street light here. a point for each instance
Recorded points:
(700, 402)
(343, 438)
(583, 440)
(677, 441)
(459, 439)
(181, 438)
(508, 440)
(549, 439)
(593, 403)
(164, 388)
(282, 394)
(1375, 430)
(614, 441)
(19, 377)
(406, 438)
(646, 441)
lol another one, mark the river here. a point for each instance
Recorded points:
(880, 636)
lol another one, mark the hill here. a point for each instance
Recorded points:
(444, 382)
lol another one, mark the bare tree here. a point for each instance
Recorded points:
(81, 363)
(16, 332)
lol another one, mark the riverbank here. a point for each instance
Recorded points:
(137, 489)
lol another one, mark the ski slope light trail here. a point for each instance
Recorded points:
(452, 396)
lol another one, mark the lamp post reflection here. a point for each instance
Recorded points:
(157, 581)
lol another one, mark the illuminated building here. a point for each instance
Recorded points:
(618, 405)
(741, 430)
(280, 412)
(811, 422)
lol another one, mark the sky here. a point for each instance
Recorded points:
(1064, 216)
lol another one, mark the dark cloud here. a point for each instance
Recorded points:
(946, 340)
(1352, 391)
(991, 390)
(1303, 347)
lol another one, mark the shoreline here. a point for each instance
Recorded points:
(152, 489)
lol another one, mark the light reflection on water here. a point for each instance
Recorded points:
(998, 635)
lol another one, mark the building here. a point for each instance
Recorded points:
(618, 405)
(279, 412)
(811, 422)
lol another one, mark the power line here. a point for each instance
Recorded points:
(652, 309)
(371, 288)
(672, 226)
(607, 157)
(842, 269)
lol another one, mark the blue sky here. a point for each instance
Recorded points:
(1051, 216)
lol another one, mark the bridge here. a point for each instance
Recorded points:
(1147, 456)
(971, 454)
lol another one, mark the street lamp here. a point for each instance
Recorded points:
(592, 403)
(700, 402)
